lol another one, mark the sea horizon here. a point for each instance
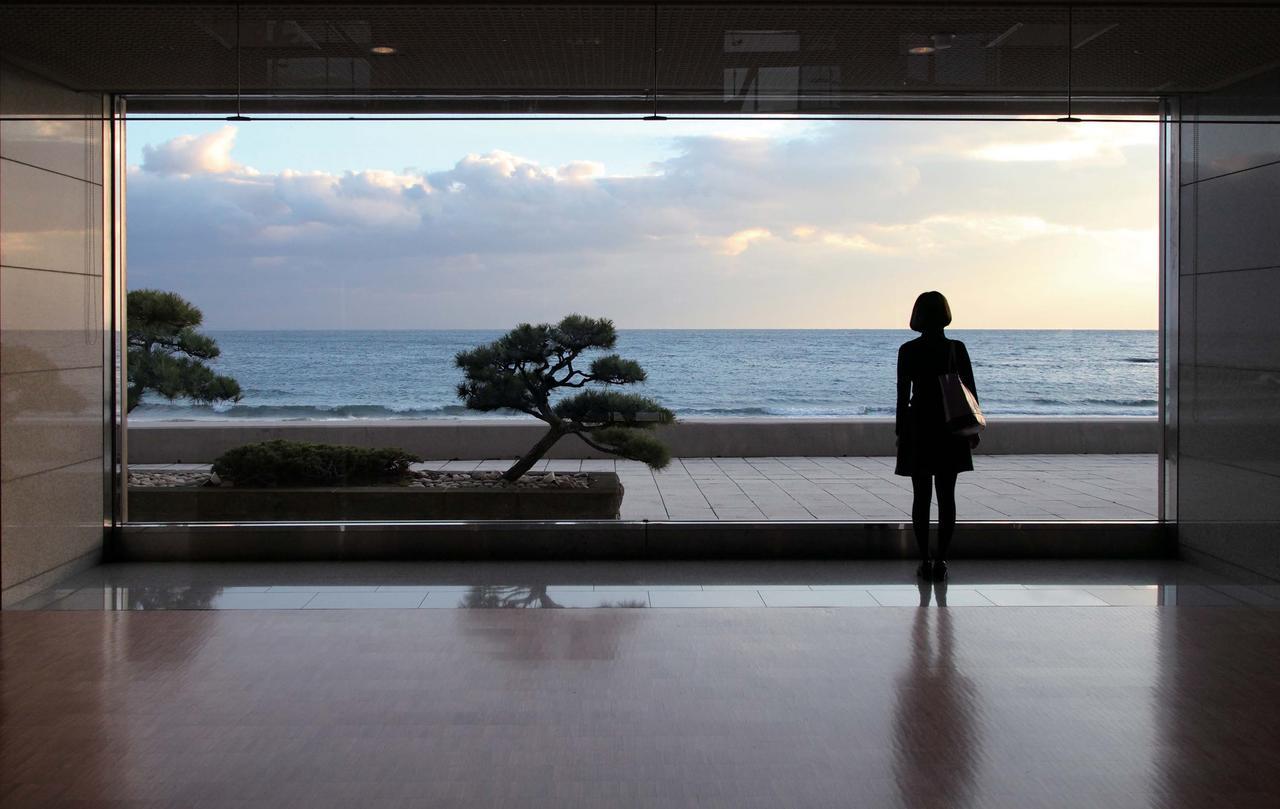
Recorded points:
(373, 374)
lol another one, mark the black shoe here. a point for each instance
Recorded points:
(939, 570)
(925, 571)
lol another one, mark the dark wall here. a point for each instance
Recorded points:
(1229, 328)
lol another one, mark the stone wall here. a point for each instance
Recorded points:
(51, 332)
(1228, 333)
(201, 442)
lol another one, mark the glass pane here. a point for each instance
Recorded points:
(761, 273)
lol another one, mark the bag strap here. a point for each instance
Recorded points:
(951, 357)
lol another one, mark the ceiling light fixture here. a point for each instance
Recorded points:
(656, 116)
(1069, 118)
(382, 50)
(938, 42)
(239, 116)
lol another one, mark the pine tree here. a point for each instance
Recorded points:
(166, 353)
(525, 368)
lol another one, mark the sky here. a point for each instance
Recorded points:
(655, 224)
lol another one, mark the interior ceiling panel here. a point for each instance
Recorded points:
(700, 57)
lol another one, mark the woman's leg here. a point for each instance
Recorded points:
(946, 485)
(920, 502)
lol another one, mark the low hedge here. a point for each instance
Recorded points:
(299, 463)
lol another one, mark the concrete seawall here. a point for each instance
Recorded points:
(201, 442)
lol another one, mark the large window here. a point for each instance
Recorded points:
(760, 272)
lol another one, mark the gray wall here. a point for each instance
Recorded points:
(202, 442)
(1228, 468)
(51, 334)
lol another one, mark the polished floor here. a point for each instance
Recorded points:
(1037, 707)
(1160, 707)
(1005, 487)
(639, 585)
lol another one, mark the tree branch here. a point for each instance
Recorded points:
(594, 445)
(568, 381)
(565, 361)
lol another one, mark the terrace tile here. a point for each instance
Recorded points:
(1002, 487)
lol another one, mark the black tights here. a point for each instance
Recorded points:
(946, 487)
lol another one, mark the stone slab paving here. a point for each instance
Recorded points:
(1001, 487)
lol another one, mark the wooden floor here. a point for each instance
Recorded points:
(896, 707)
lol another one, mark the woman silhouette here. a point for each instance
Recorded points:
(928, 452)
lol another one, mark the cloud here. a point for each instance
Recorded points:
(194, 154)
(842, 241)
(737, 243)
(580, 170)
(825, 230)
(1095, 143)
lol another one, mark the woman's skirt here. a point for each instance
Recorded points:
(929, 448)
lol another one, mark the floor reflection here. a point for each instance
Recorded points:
(539, 597)
(893, 707)
(936, 741)
(1216, 707)
(564, 585)
(167, 598)
(589, 635)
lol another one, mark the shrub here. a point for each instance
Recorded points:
(298, 463)
(525, 368)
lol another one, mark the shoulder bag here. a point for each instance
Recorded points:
(959, 405)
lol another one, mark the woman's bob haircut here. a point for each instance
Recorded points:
(931, 312)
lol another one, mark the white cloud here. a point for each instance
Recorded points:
(580, 170)
(737, 243)
(1045, 142)
(855, 241)
(194, 154)
(825, 230)
(841, 241)
(967, 230)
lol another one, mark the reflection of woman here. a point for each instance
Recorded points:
(927, 451)
(936, 741)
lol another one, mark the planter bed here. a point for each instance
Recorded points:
(463, 500)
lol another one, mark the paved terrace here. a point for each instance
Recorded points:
(1001, 487)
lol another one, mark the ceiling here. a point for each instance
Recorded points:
(709, 57)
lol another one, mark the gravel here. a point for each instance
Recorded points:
(493, 480)
(168, 478)
(424, 480)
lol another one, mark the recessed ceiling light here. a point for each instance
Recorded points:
(943, 41)
(382, 50)
(921, 50)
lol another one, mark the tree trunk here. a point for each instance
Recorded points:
(533, 455)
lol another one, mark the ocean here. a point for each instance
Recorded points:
(737, 373)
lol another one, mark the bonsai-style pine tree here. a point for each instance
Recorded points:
(525, 368)
(166, 353)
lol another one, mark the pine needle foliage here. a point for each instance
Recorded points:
(166, 353)
(301, 463)
(525, 368)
